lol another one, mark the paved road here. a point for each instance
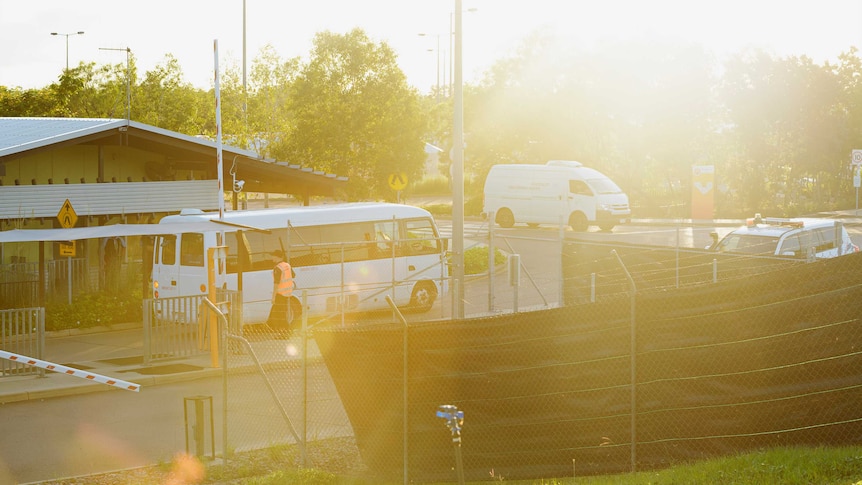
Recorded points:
(103, 431)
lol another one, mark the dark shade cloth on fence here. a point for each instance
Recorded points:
(768, 358)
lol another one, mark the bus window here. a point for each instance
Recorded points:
(169, 250)
(421, 238)
(238, 253)
(384, 234)
(346, 239)
(192, 249)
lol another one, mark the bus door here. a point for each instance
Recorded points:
(392, 265)
(165, 266)
(192, 277)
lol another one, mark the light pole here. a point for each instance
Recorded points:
(80, 32)
(422, 34)
(458, 173)
(451, 43)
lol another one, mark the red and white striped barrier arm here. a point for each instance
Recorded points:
(62, 369)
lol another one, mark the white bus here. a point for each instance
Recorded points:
(348, 258)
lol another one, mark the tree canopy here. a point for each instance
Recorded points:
(779, 131)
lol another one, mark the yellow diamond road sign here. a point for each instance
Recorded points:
(67, 216)
(397, 181)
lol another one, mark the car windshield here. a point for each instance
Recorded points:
(748, 244)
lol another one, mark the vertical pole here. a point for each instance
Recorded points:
(69, 278)
(303, 450)
(491, 254)
(220, 162)
(458, 171)
(633, 361)
(561, 286)
(244, 85)
(438, 68)
(405, 401)
(212, 324)
(128, 84)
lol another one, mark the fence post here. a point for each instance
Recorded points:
(303, 449)
(633, 360)
(404, 393)
(491, 261)
(515, 278)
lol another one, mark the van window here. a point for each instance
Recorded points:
(169, 250)
(604, 186)
(192, 249)
(579, 187)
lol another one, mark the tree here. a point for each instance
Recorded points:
(639, 111)
(354, 114)
(788, 118)
(165, 100)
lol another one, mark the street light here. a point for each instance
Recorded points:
(422, 34)
(80, 32)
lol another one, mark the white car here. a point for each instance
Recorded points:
(797, 237)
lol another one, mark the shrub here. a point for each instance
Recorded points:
(476, 259)
(94, 310)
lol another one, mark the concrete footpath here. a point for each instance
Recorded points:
(115, 352)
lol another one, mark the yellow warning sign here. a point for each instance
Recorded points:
(397, 181)
(67, 216)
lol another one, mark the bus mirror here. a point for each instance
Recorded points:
(445, 244)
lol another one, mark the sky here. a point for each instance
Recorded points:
(492, 30)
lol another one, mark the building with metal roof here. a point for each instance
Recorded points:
(85, 173)
(117, 167)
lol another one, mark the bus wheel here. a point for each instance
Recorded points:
(505, 218)
(423, 297)
(578, 221)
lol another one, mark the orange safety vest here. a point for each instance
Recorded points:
(285, 284)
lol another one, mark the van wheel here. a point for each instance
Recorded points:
(423, 297)
(505, 218)
(532, 225)
(607, 226)
(578, 221)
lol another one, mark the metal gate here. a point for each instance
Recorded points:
(173, 326)
(22, 331)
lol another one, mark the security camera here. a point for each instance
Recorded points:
(238, 185)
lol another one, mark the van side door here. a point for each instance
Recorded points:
(581, 199)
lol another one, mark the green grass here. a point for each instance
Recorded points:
(786, 466)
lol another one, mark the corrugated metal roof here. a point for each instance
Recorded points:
(21, 134)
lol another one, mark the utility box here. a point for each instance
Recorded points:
(199, 423)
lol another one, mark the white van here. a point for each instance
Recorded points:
(559, 191)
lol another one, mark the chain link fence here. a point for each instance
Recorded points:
(672, 360)
(657, 356)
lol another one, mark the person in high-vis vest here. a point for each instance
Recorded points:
(282, 288)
